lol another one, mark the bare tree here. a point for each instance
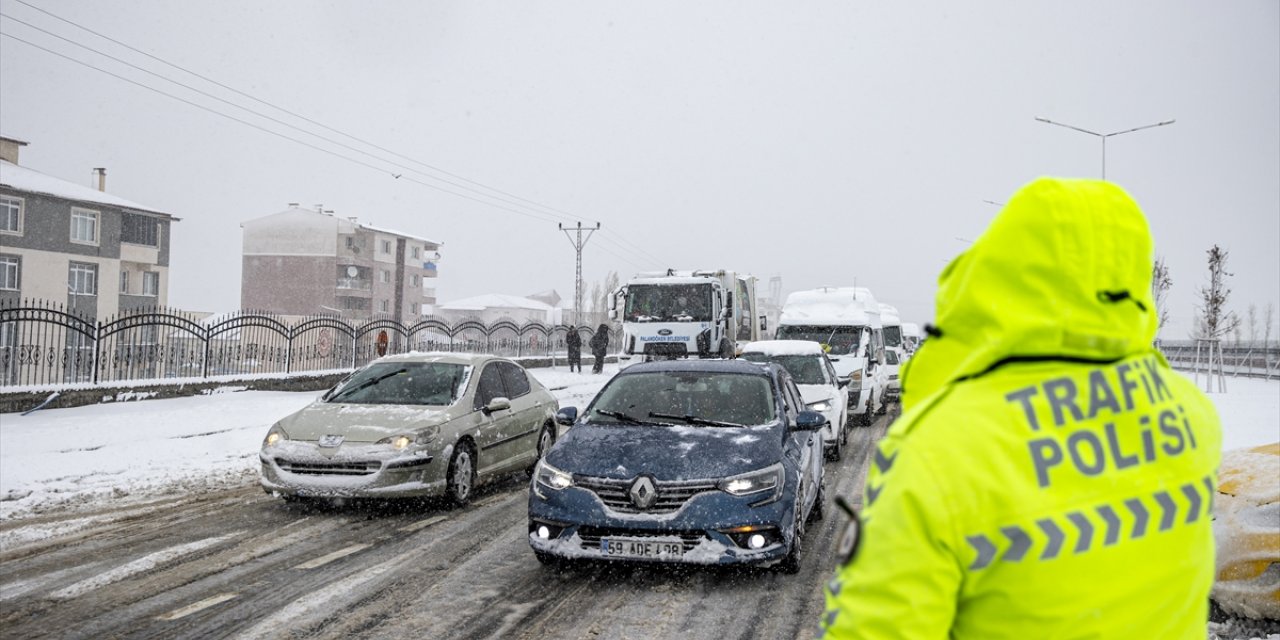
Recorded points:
(1253, 324)
(1161, 282)
(1217, 321)
(1268, 319)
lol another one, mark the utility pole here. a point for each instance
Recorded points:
(577, 246)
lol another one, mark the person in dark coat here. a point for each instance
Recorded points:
(573, 340)
(599, 346)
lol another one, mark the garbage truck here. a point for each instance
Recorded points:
(680, 314)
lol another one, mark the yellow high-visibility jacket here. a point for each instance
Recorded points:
(1050, 476)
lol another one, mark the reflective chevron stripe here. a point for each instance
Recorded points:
(1081, 525)
(883, 463)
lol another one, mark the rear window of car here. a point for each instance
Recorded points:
(730, 398)
(417, 383)
(804, 369)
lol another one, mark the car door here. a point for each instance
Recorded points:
(520, 446)
(494, 427)
(803, 446)
(842, 393)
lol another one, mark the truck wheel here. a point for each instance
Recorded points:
(867, 417)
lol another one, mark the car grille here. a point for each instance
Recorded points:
(329, 468)
(591, 536)
(671, 495)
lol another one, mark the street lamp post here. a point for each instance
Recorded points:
(1104, 136)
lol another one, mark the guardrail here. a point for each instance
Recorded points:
(43, 343)
(1244, 359)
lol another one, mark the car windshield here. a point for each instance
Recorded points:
(669, 303)
(696, 398)
(422, 383)
(841, 339)
(892, 336)
(803, 369)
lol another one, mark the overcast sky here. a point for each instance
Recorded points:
(822, 142)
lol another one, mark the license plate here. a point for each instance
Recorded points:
(640, 548)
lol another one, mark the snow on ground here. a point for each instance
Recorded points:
(130, 451)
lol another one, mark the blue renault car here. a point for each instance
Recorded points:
(689, 461)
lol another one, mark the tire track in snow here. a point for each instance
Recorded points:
(145, 563)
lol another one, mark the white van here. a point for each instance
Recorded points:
(846, 321)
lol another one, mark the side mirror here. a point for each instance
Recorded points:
(764, 323)
(613, 302)
(613, 314)
(497, 404)
(567, 416)
(809, 421)
(844, 382)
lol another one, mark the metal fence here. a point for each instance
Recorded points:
(44, 343)
(1255, 360)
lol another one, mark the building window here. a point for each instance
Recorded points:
(139, 229)
(384, 305)
(415, 280)
(150, 283)
(10, 273)
(10, 215)
(83, 278)
(124, 282)
(351, 242)
(84, 226)
(384, 275)
(386, 246)
(417, 253)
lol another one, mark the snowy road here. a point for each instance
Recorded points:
(239, 563)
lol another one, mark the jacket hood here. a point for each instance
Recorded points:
(1064, 271)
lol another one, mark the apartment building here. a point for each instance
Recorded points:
(307, 262)
(65, 242)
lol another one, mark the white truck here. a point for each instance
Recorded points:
(847, 321)
(681, 314)
(895, 348)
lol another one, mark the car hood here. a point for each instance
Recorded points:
(362, 422)
(666, 453)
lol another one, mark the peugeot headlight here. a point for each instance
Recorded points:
(820, 406)
(766, 481)
(550, 477)
(399, 442)
(274, 436)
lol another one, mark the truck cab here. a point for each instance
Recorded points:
(681, 314)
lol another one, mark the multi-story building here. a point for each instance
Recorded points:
(61, 241)
(306, 262)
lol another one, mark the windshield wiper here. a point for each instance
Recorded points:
(692, 419)
(619, 415)
(367, 383)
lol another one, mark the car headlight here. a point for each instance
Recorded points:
(855, 380)
(399, 442)
(552, 478)
(821, 405)
(766, 481)
(274, 436)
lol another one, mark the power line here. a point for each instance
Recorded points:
(554, 211)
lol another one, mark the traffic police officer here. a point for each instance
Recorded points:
(1050, 476)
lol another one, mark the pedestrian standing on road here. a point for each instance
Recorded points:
(573, 342)
(600, 346)
(1050, 475)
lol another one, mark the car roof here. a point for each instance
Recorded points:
(697, 365)
(784, 348)
(439, 356)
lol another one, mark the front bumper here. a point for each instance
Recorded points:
(711, 527)
(357, 471)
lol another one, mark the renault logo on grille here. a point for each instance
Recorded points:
(643, 493)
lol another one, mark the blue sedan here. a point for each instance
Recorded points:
(701, 462)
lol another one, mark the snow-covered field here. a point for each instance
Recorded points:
(129, 451)
(135, 450)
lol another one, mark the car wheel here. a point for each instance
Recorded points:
(845, 424)
(884, 407)
(461, 478)
(545, 440)
(791, 563)
(819, 510)
(837, 452)
(867, 417)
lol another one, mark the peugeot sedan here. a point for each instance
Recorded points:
(702, 462)
(419, 424)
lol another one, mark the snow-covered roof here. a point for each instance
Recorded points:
(24, 179)
(673, 280)
(494, 300)
(829, 306)
(889, 314)
(398, 233)
(911, 329)
(784, 348)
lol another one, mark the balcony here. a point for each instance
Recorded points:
(354, 283)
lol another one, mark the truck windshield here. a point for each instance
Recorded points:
(668, 303)
(892, 336)
(842, 339)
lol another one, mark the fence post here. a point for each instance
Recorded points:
(97, 349)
